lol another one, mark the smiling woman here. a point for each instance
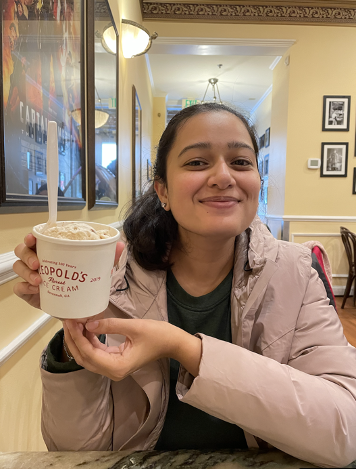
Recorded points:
(217, 335)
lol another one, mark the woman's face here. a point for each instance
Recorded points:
(212, 177)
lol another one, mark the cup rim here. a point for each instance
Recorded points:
(62, 241)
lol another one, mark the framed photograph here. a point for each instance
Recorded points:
(136, 145)
(260, 166)
(41, 65)
(354, 182)
(102, 82)
(262, 141)
(265, 165)
(334, 159)
(336, 113)
(267, 137)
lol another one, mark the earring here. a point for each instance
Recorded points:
(163, 204)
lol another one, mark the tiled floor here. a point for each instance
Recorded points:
(348, 319)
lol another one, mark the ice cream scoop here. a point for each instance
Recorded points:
(75, 231)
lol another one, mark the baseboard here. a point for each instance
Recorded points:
(340, 291)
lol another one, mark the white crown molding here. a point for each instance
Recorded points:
(18, 342)
(261, 100)
(149, 70)
(208, 41)
(312, 218)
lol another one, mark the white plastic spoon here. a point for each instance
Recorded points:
(52, 173)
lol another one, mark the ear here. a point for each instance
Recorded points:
(161, 190)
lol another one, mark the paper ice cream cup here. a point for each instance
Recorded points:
(76, 274)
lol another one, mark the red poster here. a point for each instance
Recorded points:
(41, 56)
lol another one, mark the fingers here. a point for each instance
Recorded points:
(21, 289)
(71, 344)
(30, 241)
(112, 325)
(119, 249)
(27, 256)
(29, 275)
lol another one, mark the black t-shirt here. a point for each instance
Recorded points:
(187, 427)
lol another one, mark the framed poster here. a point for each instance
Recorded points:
(41, 64)
(102, 82)
(262, 141)
(334, 159)
(336, 113)
(136, 145)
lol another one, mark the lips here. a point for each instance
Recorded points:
(220, 202)
(219, 199)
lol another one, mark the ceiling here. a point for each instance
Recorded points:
(243, 80)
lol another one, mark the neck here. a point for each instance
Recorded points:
(201, 263)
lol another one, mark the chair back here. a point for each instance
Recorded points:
(349, 241)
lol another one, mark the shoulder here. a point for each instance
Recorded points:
(294, 260)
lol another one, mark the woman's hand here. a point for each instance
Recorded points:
(146, 341)
(26, 267)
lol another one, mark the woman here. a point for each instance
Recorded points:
(255, 347)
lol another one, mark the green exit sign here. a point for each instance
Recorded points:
(112, 103)
(186, 103)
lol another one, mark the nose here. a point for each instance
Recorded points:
(220, 175)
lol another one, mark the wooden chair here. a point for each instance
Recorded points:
(349, 241)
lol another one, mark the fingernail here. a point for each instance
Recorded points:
(34, 277)
(32, 261)
(81, 327)
(92, 325)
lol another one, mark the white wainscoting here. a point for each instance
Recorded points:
(7, 274)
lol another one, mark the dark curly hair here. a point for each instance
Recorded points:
(149, 229)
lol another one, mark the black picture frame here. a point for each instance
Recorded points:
(334, 156)
(28, 102)
(136, 145)
(336, 113)
(266, 165)
(262, 141)
(268, 137)
(103, 83)
(354, 182)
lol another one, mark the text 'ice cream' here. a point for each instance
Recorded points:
(76, 231)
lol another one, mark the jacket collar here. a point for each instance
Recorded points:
(256, 245)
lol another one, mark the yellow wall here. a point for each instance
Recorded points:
(158, 119)
(20, 382)
(322, 62)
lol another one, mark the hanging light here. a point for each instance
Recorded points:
(101, 116)
(108, 39)
(214, 84)
(136, 40)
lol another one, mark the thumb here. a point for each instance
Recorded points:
(117, 326)
(119, 249)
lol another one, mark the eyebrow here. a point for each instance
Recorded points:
(207, 145)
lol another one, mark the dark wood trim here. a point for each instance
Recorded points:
(90, 80)
(133, 138)
(253, 12)
(93, 203)
(354, 182)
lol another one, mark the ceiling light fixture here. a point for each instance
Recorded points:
(101, 116)
(108, 39)
(136, 40)
(214, 84)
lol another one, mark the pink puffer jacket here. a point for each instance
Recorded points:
(288, 378)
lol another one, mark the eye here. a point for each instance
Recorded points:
(242, 162)
(195, 163)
